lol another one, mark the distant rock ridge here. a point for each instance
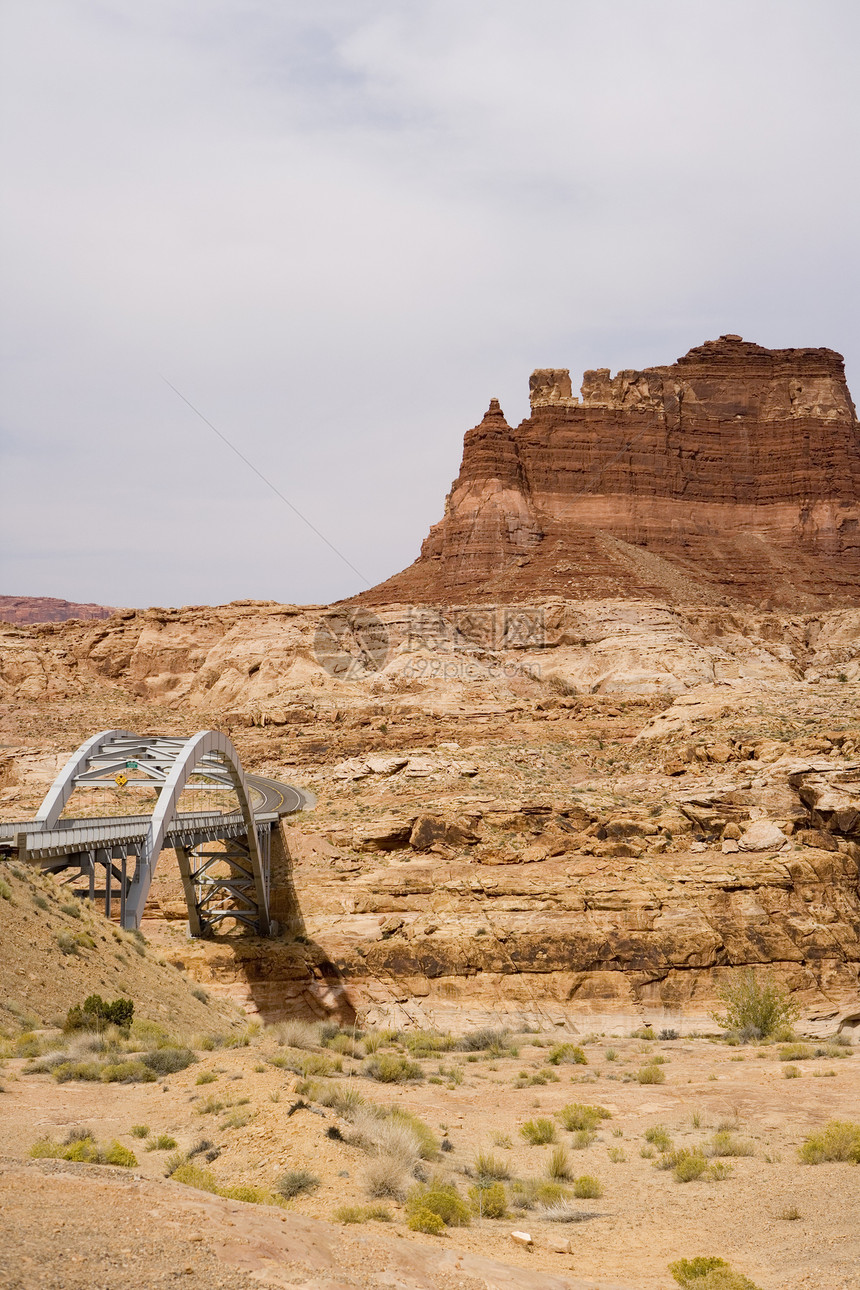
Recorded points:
(732, 474)
(47, 609)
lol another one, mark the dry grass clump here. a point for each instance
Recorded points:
(724, 1143)
(658, 1136)
(558, 1166)
(577, 1115)
(81, 1146)
(651, 1074)
(295, 1182)
(390, 1069)
(488, 1166)
(538, 1132)
(363, 1214)
(708, 1273)
(839, 1140)
(571, 1053)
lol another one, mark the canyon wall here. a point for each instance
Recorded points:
(732, 474)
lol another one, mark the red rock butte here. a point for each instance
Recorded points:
(732, 474)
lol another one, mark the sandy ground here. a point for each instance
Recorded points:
(643, 1220)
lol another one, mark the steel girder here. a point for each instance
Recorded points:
(165, 764)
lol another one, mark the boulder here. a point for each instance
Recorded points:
(762, 835)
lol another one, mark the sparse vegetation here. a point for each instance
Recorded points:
(755, 1007)
(538, 1132)
(363, 1214)
(577, 1116)
(389, 1069)
(439, 1198)
(295, 1182)
(839, 1140)
(81, 1146)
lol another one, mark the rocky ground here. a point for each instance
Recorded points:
(562, 844)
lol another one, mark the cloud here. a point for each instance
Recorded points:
(339, 229)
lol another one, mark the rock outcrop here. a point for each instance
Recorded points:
(733, 473)
(47, 609)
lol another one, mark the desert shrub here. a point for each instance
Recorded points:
(82, 1147)
(130, 1072)
(345, 1045)
(140, 1130)
(295, 1182)
(363, 1214)
(426, 1220)
(578, 1116)
(194, 1176)
(95, 1013)
(651, 1074)
(528, 1192)
(249, 1193)
(658, 1136)
(567, 1053)
(206, 1077)
(163, 1142)
(489, 1202)
(668, 1034)
(726, 1144)
(486, 1165)
(425, 1043)
(5, 890)
(345, 1101)
(558, 1166)
(66, 1071)
(238, 1119)
(66, 943)
(755, 1007)
(585, 1187)
(645, 1032)
(709, 1274)
(688, 1164)
(209, 1106)
(439, 1198)
(386, 1176)
(167, 1061)
(428, 1143)
(617, 1155)
(389, 1069)
(611, 1054)
(485, 1039)
(72, 910)
(839, 1140)
(795, 1052)
(791, 1072)
(538, 1132)
(582, 1138)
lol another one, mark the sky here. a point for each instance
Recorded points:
(337, 229)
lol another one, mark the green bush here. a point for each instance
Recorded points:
(426, 1220)
(795, 1052)
(754, 1007)
(206, 1077)
(839, 1140)
(538, 1132)
(567, 1053)
(578, 1116)
(587, 1188)
(389, 1069)
(688, 1165)
(439, 1198)
(651, 1075)
(140, 1130)
(77, 1070)
(559, 1164)
(724, 1143)
(95, 1013)
(489, 1202)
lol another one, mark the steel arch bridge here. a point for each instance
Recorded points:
(113, 858)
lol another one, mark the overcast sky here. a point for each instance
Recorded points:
(339, 227)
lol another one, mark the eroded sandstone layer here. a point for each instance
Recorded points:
(732, 473)
(47, 609)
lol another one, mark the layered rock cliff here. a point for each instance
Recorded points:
(733, 473)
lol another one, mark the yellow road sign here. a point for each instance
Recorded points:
(121, 780)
